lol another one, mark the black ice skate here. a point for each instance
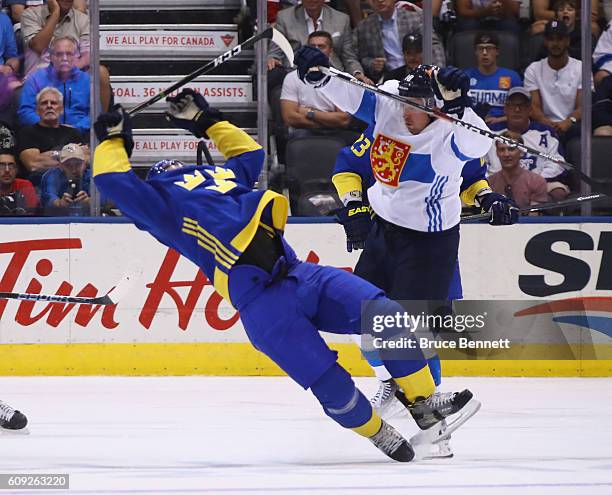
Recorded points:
(430, 411)
(390, 442)
(10, 419)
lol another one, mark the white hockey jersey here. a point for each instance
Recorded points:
(602, 56)
(418, 176)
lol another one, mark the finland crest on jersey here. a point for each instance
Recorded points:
(417, 176)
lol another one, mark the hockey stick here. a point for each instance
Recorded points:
(203, 149)
(434, 112)
(269, 33)
(111, 297)
(544, 206)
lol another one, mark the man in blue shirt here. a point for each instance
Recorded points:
(64, 75)
(9, 63)
(65, 189)
(489, 84)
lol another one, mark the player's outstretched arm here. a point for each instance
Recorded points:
(115, 178)
(452, 85)
(190, 110)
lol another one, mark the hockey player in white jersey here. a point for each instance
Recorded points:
(411, 250)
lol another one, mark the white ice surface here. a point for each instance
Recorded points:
(211, 435)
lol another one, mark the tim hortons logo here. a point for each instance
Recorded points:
(388, 158)
(227, 39)
(184, 294)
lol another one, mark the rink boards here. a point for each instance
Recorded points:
(173, 323)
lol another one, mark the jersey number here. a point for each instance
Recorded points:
(361, 145)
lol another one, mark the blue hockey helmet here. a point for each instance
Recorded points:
(163, 166)
(417, 84)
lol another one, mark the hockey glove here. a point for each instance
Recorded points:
(116, 123)
(308, 57)
(502, 209)
(190, 110)
(452, 85)
(356, 219)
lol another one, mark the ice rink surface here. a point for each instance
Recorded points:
(211, 435)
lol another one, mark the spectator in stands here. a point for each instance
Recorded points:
(378, 38)
(412, 48)
(303, 108)
(58, 18)
(489, 84)
(602, 108)
(607, 8)
(555, 84)
(8, 102)
(17, 196)
(297, 22)
(71, 81)
(9, 63)
(535, 135)
(67, 187)
(602, 57)
(16, 7)
(544, 11)
(492, 15)
(522, 186)
(38, 144)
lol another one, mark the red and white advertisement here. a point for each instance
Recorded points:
(130, 93)
(176, 40)
(174, 302)
(157, 146)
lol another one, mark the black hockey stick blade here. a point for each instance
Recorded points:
(111, 297)
(541, 207)
(269, 33)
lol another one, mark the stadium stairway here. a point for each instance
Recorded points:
(149, 44)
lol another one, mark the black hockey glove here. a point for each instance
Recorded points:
(308, 57)
(452, 85)
(356, 219)
(502, 209)
(190, 110)
(116, 123)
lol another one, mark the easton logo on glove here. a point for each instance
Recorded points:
(361, 209)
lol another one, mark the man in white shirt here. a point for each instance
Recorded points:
(303, 107)
(555, 84)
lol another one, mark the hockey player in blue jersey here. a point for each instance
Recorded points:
(212, 216)
(417, 162)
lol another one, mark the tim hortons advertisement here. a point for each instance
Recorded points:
(174, 302)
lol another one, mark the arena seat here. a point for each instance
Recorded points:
(310, 162)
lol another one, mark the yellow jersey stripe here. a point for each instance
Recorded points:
(231, 140)
(110, 156)
(194, 224)
(206, 244)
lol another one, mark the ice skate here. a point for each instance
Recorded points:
(441, 405)
(433, 443)
(384, 401)
(390, 442)
(11, 420)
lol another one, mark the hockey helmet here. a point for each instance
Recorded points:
(163, 166)
(417, 84)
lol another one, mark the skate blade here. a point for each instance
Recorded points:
(395, 408)
(23, 431)
(454, 421)
(428, 451)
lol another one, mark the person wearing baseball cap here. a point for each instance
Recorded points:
(489, 84)
(555, 84)
(412, 49)
(67, 186)
(535, 135)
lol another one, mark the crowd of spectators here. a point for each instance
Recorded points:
(45, 107)
(538, 97)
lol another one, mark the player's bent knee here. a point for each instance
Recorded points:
(342, 401)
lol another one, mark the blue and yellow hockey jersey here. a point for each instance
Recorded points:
(208, 214)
